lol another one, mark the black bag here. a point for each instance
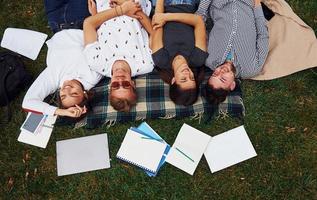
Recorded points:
(13, 78)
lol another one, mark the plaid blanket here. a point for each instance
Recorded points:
(154, 102)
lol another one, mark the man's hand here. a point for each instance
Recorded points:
(158, 20)
(74, 111)
(257, 3)
(92, 7)
(130, 8)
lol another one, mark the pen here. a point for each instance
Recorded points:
(184, 154)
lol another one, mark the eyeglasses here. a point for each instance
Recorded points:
(117, 84)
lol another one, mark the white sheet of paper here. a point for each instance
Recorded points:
(41, 138)
(229, 148)
(192, 143)
(82, 154)
(25, 42)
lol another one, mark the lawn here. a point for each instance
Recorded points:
(281, 121)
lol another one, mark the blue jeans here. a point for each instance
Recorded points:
(66, 14)
(177, 2)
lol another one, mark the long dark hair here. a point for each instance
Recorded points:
(178, 95)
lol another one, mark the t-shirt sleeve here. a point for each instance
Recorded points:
(94, 56)
(198, 57)
(161, 58)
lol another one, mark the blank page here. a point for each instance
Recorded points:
(229, 148)
(141, 151)
(188, 149)
(82, 154)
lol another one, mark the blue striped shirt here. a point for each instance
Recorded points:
(238, 28)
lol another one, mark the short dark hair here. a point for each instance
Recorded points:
(178, 95)
(123, 105)
(215, 96)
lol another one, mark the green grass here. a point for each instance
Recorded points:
(281, 120)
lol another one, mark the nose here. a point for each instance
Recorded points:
(216, 72)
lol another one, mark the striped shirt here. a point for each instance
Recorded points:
(238, 28)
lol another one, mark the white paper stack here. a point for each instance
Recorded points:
(37, 129)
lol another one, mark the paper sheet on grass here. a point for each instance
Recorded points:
(188, 149)
(25, 42)
(82, 154)
(229, 148)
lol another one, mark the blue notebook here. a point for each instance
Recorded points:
(147, 131)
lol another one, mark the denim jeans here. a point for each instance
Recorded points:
(177, 2)
(66, 14)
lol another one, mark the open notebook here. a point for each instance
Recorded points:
(142, 151)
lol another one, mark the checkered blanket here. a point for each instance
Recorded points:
(154, 102)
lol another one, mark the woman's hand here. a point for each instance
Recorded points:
(92, 7)
(74, 111)
(158, 20)
(114, 3)
(130, 8)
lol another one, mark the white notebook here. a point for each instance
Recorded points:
(229, 148)
(42, 135)
(188, 149)
(142, 151)
(82, 154)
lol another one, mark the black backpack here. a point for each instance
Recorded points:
(13, 78)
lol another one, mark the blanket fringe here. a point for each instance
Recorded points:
(243, 107)
(168, 116)
(198, 116)
(222, 114)
(110, 123)
(139, 118)
(80, 124)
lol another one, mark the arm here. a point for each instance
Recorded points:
(43, 86)
(93, 22)
(191, 19)
(157, 36)
(262, 38)
(145, 22)
(203, 8)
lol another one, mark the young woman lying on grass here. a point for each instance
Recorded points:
(68, 71)
(179, 49)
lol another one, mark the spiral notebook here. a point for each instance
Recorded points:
(142, 151)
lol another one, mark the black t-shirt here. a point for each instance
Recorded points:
(179, 39)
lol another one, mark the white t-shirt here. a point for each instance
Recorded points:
(65, 61)
(121, 38)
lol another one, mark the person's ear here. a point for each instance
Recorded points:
(173, 81)
(85, 94)
(133, 83)
(233, 85)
